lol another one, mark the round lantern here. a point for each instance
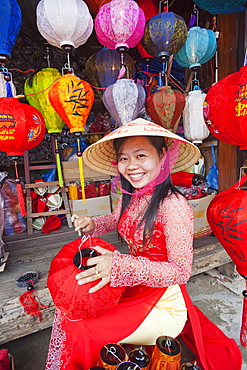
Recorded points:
(22, 127)
(72, 98)
(124, 99)
(120, 24)
(74, 299)
(222, 6)
(199, 48)
(103, 67)
(10, 24)
(195, 129)
(64, 24)
(227, 217)
(165, 106)
(225, 109)
(36, 90)
(7, 88)
(164, 34)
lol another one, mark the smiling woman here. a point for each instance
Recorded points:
(156, 221)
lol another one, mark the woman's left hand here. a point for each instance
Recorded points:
(101, 271)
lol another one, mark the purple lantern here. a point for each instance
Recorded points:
(120, 24)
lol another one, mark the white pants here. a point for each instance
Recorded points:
(168, 317)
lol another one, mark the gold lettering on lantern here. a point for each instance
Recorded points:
(6, 137)
(241, 109)
(7, 121)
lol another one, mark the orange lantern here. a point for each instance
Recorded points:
(72, 98)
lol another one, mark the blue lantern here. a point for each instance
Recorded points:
(10, 24)
(199, 48)
(164, 34)
(222, 6)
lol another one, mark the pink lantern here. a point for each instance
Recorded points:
(120, 24)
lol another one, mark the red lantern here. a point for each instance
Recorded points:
(225, 109)
(22, 127)
(74, 299)
(165, 106)
(227, 217)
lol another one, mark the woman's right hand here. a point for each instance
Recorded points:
(83, 223)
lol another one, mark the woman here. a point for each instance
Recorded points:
(157, 223)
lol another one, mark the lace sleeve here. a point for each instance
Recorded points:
(177, 219)
(107, 223)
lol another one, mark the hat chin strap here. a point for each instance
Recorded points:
(164, 169)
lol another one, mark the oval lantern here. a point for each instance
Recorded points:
(195, 129)
(72, 98)
(165, 106)
(36, 89)
(225, 109)
(164, 34)
(10, 24)
(199, 47)
(22, 127)
(102, 68)
(124, 99)
(120, 24)
(222, 6)
(64, 23)
(227, 217)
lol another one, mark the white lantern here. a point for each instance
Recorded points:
(64, 22)
(195, 128)
(124, 99)
(7, 88)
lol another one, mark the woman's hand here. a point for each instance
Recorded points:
(84, 223)
(101, 271)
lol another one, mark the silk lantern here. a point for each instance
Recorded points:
(22, 127)
(120, 24)
(10, 24)
(164, 34)
(195, 129)
(227, 217)
(71, 298)
(222, 6)
(225, 109)
(64, 24)
(124, 99)
(72, 98)
(199, 47)
(103, 68)
(36, 89)
(165, 106)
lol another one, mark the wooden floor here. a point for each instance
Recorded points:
(35, 252)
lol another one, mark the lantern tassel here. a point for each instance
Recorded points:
(59, 168)
(243, 332)
(20, 193)
(80, 164)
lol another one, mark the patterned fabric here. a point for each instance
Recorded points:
(167, 258)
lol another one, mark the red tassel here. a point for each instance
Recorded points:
(243, 332)
(31, 304)
(21, 199)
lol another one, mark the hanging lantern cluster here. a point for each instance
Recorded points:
(199, 47)
(225, 109)
(195, 128)
(124, 99)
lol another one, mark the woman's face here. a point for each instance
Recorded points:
(138, 161)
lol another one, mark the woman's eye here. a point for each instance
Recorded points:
(140, 155)
(122, 159)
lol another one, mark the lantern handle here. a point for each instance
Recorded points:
(165, 6)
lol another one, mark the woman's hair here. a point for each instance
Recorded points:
(160, 191)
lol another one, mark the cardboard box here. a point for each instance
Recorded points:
(93, 206)
(201, 225)
(71, 173)
(199, 206)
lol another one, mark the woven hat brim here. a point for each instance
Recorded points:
(101, 156)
